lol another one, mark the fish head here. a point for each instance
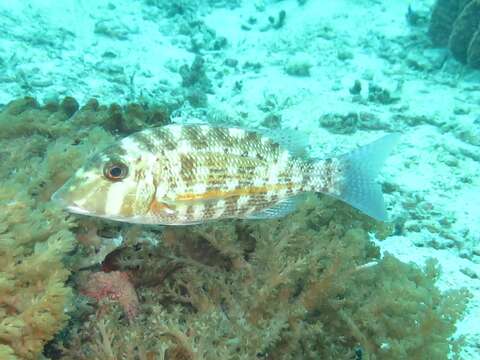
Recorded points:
(113, 184)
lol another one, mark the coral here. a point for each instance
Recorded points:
(34, 236)
(312, 286)
(349, 123)
(456, 23)
(298, 65)
(356, 89)
(195, 82)
(114, 28)
(123, 119)
(33, 293)
(40, 147)
(115, 286)
(443, 16)
(473, 52)
(382, 95)
(276, 23)
(280, 21)
(463, 31)
(202, 37)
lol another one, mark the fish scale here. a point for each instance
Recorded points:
(222, 168)
(184, 174)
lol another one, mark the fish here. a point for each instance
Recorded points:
(181, 174)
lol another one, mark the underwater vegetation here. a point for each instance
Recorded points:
(456, 24)
(39, 148)
(312, 285)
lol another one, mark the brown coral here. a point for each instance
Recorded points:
(312, 286)
(34, 236)
(40, 147)
(456, 23)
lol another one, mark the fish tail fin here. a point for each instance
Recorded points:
(359, 169)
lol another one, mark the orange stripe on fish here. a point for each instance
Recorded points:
(216, 194)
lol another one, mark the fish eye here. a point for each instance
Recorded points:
(115, 171)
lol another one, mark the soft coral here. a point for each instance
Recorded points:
(116, 286)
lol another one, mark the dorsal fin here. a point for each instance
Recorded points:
(294, 140)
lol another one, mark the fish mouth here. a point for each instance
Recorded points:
(75, 209)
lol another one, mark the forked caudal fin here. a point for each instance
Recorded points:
(359, 170)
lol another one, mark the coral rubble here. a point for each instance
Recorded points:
(456, 23)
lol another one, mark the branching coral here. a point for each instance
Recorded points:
(34, 238)
(40, 147)
(311, 286)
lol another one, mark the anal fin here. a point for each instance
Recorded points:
(280, 209)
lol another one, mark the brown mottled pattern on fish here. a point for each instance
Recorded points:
(182, 174)
(210, 163)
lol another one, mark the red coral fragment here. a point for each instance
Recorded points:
(115, 286)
